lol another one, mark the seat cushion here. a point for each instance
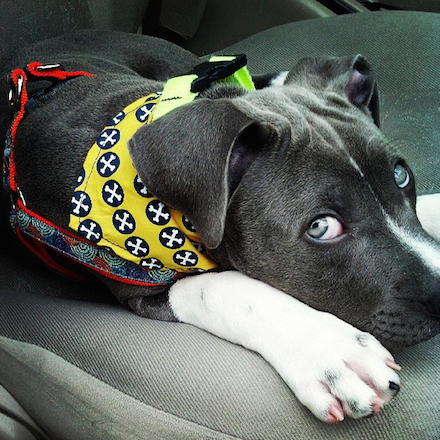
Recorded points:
(91, 370)
(101, 370)
(403, 49)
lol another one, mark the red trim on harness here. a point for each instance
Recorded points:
(15, 76)
(56, 73)
(39, 249)
(32, 71)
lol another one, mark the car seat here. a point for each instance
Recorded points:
(76, 365)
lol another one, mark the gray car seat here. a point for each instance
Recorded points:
(76, 365)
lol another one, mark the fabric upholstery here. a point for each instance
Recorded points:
(402, 48)
(175, 369)
(91, 370)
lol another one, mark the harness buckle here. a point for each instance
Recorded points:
(35, 71)
(15, 91)
(48, 67)
(211, 71)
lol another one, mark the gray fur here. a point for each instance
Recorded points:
(259, 167)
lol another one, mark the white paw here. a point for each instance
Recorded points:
(333, 368)
(338, 371)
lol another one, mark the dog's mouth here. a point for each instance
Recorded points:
(397, 328)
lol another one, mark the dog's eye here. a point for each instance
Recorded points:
(325, 228)
(401, 176)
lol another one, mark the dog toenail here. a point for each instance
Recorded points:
(394, 387)
(390, 363)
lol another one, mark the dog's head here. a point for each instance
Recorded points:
(296, 186)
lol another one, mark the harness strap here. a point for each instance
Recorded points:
(18, 98)
(31, 228)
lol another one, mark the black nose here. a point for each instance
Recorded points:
(433, 300)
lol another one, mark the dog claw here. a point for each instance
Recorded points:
(394, 387)
(390, 363)
(376, 404)
(335, 414)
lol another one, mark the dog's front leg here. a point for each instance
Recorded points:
(333, 368)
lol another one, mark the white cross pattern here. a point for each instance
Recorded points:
(118, 118)
(152, 263)
(143, 112)
(81, 176)
(80, 204)
(107, 164)
(158, 213)
(108, 138)
(123, 221)
(140, 188)
(137, 246)
(187, 223)
(172, 238)
(185, 258)
(112, 195)
(91, 230)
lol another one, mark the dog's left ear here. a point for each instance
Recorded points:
(352, 76)
(194, 158)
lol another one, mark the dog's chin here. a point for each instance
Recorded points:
(395, 329)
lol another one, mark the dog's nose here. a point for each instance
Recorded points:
(433, 301)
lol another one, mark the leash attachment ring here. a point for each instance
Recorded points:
(15, 89)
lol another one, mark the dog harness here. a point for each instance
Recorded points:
(126, 233)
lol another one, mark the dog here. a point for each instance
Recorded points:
(305, 210)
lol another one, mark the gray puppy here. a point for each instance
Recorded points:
(292, 189)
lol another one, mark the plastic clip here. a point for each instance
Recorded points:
(209, 72)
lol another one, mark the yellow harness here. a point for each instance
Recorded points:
(111, 207)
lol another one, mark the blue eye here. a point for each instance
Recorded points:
(325, 228)
(401, 176)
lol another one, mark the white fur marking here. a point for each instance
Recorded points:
(426, 251)
(356, 167)
(279, 80)
(301, 343)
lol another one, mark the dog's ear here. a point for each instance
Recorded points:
(352, 76)
(194, 157)
(361, 88)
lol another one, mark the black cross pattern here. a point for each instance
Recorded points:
(108, 138)
(81, 204)
(185, 258)
(151, 264)
(158, 213)
(108, 164)
(140, 188)
(171, 238)
(90, 230)
(123, 221)
(137, 246)
(112, 193)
